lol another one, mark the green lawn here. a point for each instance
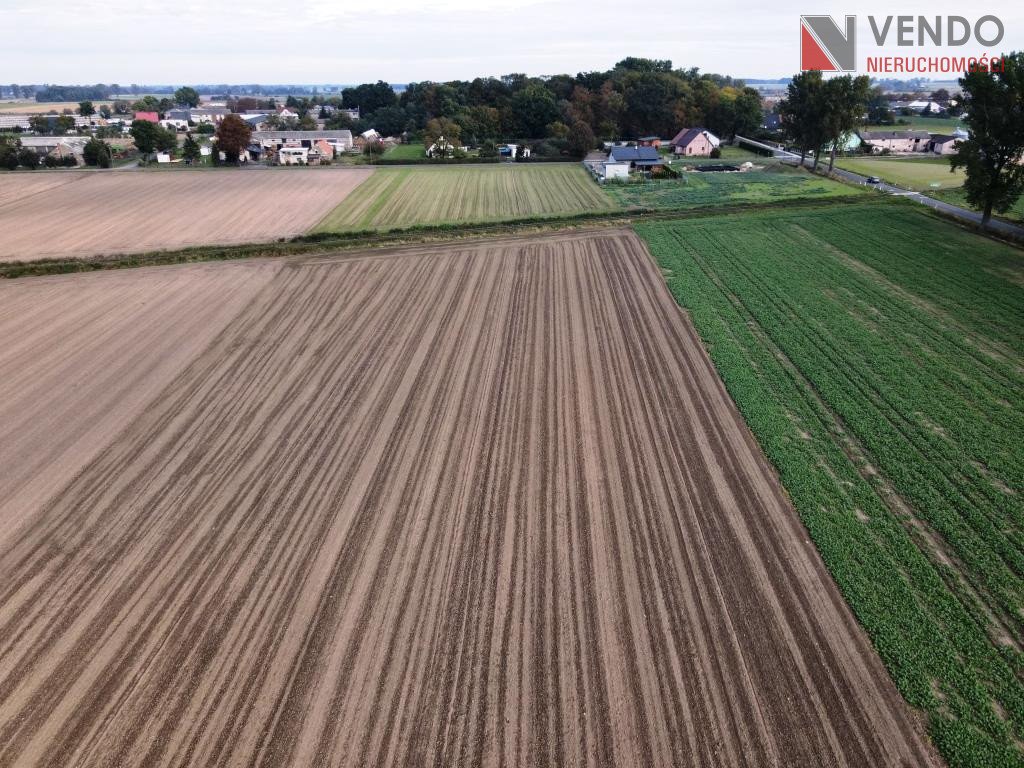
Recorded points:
(697, 190)
(958, 197)
(921, 174)
(406, 152)
(395, 198)
(877, 353)
(917, 123)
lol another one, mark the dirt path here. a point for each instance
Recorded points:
(485, 505)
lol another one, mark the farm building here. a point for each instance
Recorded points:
(10, 122)
(943, 145)
(293, 156)
(57, 146)
(264, 142)
(177, 119)
(695, 142)
(649, 141)
(636, 158)
(209, 114)
(896, 141)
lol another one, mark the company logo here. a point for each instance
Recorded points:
(826, 46)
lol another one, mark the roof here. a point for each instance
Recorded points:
(211, 111)
(881, 135)
(151, 117)
(343, 135)
(179, 114)
(941, 139)
(686, 136)
(638, 155)
(649, 138)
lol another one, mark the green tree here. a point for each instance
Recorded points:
(105, 112)
(534, 109)
(144, 133)
(802, 114)
(190, 149)
(28, 158)
(64, 124)
(844, 101)
(233, 136)
(39, 124)
(369, 97)
(187, 97)
(993, 154)
(581, 139)
(441, 126)
(9, 148)
(166, 139)
(96, 152)
(86, 109)
(373, 149)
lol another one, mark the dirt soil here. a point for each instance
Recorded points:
(483, 504)
(61, 214)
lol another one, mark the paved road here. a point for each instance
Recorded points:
(995, 225)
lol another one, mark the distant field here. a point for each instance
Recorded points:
(34, 107)
(696, 190)
(931, 124)
(404, 197)
(406, 152)
(921, 174)
(958, 197)
(878, 355)
(65, 214)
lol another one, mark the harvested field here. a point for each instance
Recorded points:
(403, 197)
(487, 504)
(84, 354)
(132, 211)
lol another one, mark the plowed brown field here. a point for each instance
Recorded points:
(66, 214)
(482, 505)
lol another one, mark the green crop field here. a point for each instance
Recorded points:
(877, 353)
(395, 198)
(918, 123)
(697, 190)
(918, 173)
(959, 197)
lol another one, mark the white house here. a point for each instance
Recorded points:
(440, 148)
(924, 106)
(612, 170)
(370, 135)
(293, 156)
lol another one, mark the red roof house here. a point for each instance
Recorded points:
(149, 117)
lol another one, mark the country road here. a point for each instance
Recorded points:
(998, 226)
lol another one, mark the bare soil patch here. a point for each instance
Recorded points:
(488, 504)
(135, 211)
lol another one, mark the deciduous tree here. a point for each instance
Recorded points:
(233, 136)
(993, 154)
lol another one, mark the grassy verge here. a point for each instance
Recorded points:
(877, 355)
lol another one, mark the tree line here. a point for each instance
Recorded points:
(637, 97)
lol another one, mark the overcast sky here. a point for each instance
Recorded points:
(330, 41)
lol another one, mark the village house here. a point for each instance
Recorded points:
(896, 141)
(149, 117)
(265, 143)
(694, 142)
(649, 141)
(209, 115)
(290, 155)
(636, 158)
(943, 145)
(177, 119)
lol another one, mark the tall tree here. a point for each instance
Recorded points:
(993, 154)
(190, 150)
(86, 109)
(187, 97)
(802, 113)
(144, 133)
(233, 136)
(96, 152)
(844, 101)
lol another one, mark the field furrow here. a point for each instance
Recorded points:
(487, 504)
